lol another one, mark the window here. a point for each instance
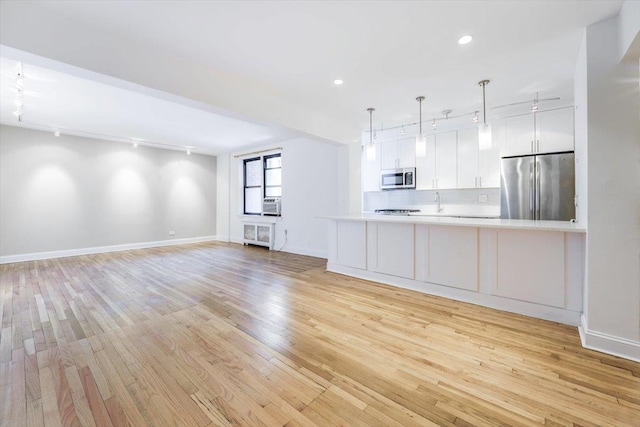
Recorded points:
(262, 178)
(273, 176)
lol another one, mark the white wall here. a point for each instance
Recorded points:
(608, 132)
(629, 30)
(70, 193)
(310, 189)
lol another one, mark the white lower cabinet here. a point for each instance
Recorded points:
(393, 246)
(351, 239)
(534, 271)
(452, 257)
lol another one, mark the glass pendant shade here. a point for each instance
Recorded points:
(484, 137)
(421, 145)
(370, 152)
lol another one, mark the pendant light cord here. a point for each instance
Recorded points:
(371, 110)
(420, 99)
(483, 83)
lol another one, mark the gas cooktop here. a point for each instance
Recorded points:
(396, 211)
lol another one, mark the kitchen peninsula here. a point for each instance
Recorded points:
(533, 268)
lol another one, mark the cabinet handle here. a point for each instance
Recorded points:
(436, 182)
(532, 145)
(476, 182)
(481, 182)
(537, 146)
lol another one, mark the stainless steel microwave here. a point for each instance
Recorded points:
(392, 179)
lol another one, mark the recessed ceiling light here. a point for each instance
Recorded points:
(465, 39)
(338, 82)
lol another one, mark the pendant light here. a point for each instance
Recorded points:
(484, 130)
(421, 139)
(370, 150)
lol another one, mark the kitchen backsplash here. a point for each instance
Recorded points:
(454, 202)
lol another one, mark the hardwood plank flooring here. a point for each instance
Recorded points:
(218, 334)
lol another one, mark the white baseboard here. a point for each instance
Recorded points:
(609, 344)
(101, 249)
(289, 249)
(307, 252)
(539, 311)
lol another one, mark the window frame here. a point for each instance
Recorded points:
(245, 187)
(263, 180)
(264, 174)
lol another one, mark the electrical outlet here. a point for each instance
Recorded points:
(482, 198)
(172, 233)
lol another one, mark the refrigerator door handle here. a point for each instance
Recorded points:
(532, 191)
(537, 189)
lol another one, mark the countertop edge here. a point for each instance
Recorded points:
(514, 224)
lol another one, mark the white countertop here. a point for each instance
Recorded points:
(518, 224)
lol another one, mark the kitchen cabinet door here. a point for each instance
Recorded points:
(394, 245)
(446, 160)
(406, 149)
(389, 155)
(468, 158)
(426, 166)
(371, 170)
(518, 134)
(398, 154)
(534, 272)
(555, 130)
(489, 167)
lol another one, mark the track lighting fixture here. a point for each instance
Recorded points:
(475, 116)
(434, 125)
(534, 106)
(56, 133)
(188, 152)
(402, 131)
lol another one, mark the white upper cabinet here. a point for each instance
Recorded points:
(468, 158)
(398, 154)
(407, 153)
(542, 132)
(371, 170)
(426, 166)
(446, 160)
(555, 130)
(518, 134)
(437, 169)
(489, 167)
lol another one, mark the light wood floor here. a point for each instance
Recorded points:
(220, 334)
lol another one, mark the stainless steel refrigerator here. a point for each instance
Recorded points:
(538, 187)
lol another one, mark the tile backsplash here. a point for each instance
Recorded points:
(454, 202)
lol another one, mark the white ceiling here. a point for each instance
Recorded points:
(82, 107)
(387, 52)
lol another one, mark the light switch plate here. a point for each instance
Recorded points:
(482, 198)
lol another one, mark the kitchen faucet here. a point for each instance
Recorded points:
(437, 200)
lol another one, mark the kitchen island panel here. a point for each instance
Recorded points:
(453, 257)
(395, 249)
(531, 266)
(351, 239)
